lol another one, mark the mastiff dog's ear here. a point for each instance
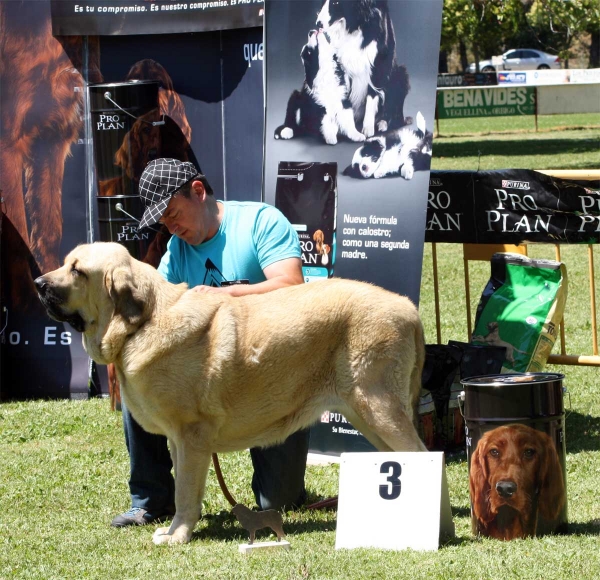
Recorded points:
(122, 289)
(129, 313)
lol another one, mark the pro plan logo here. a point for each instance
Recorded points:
(508, 184)
(108, 122)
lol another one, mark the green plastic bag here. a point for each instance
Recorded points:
(520, 309)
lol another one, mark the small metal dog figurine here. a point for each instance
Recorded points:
(252, 521)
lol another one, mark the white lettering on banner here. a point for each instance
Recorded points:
(374, 232)
(347, 431)
(444, 222)
(523, 225)
(130, 234)
(348, 219)
(403, 245)
(517, 203)
(354, 255)
(309, 258)
(370, 232)
(387, 221)
(253, 52)
(108, 122)
(50, 336)
(440, 200)
(589, 219)
(588, 202)
(119, 9)
(506, 96)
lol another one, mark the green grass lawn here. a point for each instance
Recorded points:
(571, 141)
(64, 467)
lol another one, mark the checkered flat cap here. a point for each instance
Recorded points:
(161, 179)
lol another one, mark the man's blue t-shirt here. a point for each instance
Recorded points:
(251, 237)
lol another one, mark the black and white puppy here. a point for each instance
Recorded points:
(321, 107)
(398, 152)
(362, 35)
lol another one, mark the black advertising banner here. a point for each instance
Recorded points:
(119, 17)
(213, 116)
(43, 182)
(350, 101)
(243, 113)
(511, 206)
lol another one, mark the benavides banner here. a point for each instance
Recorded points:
(118, 17)
(485, 102)
(511, 206)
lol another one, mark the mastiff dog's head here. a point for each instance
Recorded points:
(98, 294)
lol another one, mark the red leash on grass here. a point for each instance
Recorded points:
(326, 503)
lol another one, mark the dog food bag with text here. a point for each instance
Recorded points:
(306, 194)
(520, 309)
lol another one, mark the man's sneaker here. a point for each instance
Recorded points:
(138, 517)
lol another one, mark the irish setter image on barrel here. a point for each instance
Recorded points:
(515, 477)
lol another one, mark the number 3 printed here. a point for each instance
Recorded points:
(393, 478)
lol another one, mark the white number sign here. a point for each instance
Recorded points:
(393, 501)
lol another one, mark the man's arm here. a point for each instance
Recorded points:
(279, 274)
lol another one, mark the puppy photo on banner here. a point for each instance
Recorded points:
(352, 83)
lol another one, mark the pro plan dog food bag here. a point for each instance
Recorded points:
(306, 194)
(520, 310)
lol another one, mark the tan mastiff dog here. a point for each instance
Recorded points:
(215, 373)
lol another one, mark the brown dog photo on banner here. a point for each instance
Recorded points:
(41, 113)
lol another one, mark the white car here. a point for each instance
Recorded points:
(518, 59)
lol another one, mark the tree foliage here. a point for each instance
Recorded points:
(490, 27)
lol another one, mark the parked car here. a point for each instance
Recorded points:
(518, 59)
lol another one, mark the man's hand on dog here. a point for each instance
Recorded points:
(201, 289)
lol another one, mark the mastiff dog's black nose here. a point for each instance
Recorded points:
(41, 285)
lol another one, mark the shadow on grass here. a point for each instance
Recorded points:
(224, 526)
(591, 528)
(461, 512)
(515, 147)
(582, 432)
